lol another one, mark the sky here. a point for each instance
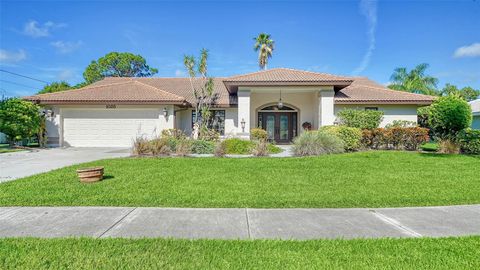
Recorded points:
(55, 40)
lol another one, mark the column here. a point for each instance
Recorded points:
(326, 114)
(243, 113)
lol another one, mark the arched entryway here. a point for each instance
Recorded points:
(280, 123)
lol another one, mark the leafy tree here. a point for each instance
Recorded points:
(55, 87)
(448, 115)
(202, 89)
(467, 93)
(414, 81)
(362, 119)
(19, 119)
(264, 46)
(117, 64)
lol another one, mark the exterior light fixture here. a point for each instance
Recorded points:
(280, 102)
(243, 125)
(165, 112)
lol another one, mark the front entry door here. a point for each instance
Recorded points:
(280, 126)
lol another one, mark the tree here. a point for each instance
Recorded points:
(19, 119)
(448, 115)
(467, 93)
(202, 89)
(414, 81)
(264, 46)
(55, 87)
(117, 64)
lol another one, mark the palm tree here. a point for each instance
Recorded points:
(264, 46)
(414, 81)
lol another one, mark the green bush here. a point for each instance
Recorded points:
(350, 136)
(203, 147)
(257, 134)
(409, 138)
(314, 143)
(362, 119)
(238, 146)
(273, 149)
(430, 147)
(401, 124)
(19, 119)
(449, 115)
(469, 140)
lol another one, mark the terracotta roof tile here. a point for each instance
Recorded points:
(287, 75)
(363, 90)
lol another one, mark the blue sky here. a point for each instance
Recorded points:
(55, 40)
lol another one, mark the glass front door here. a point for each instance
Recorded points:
(281, 127)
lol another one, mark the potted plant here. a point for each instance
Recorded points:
(307, 126)
(90, 175)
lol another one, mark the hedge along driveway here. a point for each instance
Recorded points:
(365, 179)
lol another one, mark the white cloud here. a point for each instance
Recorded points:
(36, 29)
(179, 73)
(368, 8)
(66, 46)
(11, 56)
(468, 51)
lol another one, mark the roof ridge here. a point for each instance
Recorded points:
(84, 88)
(158, 89)
(316, 73)
(287, 69)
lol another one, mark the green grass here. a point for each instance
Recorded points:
(5, 148)
(87, 253)
(430, 147)
(364, 179)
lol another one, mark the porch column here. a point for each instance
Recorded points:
(326, 115)
(243, 113)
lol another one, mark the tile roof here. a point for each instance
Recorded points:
(355, 90)
(125, 90)
(286, 75)
(363, 90)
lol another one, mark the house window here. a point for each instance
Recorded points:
(216, 122)
(371, 108)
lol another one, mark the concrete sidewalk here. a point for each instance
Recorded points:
(228, 223)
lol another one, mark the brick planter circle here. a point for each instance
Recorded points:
(90, 175)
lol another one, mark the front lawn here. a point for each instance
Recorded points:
(87, 253)
(365, 179)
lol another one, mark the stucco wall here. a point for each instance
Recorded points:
(390, 112)
(306, 103)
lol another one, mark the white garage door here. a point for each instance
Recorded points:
(108, 128)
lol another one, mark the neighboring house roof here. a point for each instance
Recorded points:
(475, 104)
(364, 91)
(349, 90)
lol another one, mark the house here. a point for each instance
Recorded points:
(113, 111)
(475, 104)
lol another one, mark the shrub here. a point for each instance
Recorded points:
(203, 147)
(313, 143)
(449, 115)
(141, 146)
(350, 136)
(273, 149)
(469, 140)
(415, 136)
(173, 133)
(159, 146)
(220, 149)
(362, 119)
(260, 148)
(449, 146)
(209, 135)
(184, 147)
(19, 119)
(430, 147)
(237, 146)
(401, 123)
(257, 134)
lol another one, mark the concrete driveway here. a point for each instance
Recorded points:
(20, 164)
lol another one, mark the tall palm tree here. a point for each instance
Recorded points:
(414, 81)
(264, 46)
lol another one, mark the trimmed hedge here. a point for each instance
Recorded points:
(469, 140)
(409, 138)
(362, 119)
(350, 136)
(258, 134)
(203, 147)
(238, 146)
